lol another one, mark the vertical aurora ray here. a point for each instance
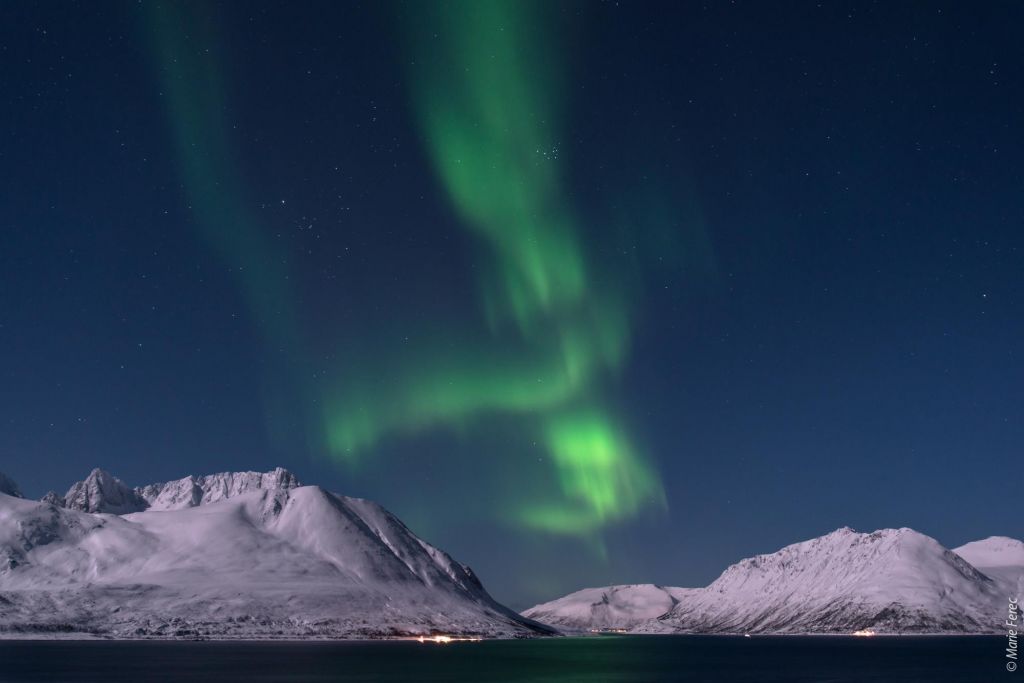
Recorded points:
(546, 329)
(187, 58)
(484, 80)
(483, 85)
(192, 85)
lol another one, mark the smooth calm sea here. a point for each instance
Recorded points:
(606, 658)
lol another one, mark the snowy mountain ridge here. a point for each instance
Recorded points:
(233, 555)
(103, 492)
(887, 581)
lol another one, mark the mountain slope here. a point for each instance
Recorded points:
(994, 551)
(1001, 559)
(264, 558)
(889, 581)
(609, 608)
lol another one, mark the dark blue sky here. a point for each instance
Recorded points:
(837, 342)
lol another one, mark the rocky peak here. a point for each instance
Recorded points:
(53, 498)
(193, 491)
(103, 492)
(8, 486)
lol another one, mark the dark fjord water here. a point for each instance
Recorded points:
(636, 658)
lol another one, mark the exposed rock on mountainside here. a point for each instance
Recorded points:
(8, 486)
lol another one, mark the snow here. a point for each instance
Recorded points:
(236, 555)
(888, 581)
(1000, 558)
(192, 491)
(103, 492)
(994, 551)
(609, 608)
(258, 555)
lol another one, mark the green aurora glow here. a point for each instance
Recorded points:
(193, 89)
(551, 329)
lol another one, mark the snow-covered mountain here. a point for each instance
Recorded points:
(610, 608)
(889, 581)
(102, 492)
(1000, 558)
(192, 491)
(246, 555)
(994, 551)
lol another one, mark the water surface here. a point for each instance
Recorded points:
(607, 658)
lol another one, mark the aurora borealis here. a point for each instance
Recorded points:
(548, 333)
(487, 109)
(623, 291)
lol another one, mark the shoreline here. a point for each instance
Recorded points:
(84, 638)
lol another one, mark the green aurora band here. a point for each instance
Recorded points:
(192, 85)
(483, 86)
(552, 329)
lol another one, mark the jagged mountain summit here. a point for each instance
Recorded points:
(103, 492)
(612, 608)
(888, 581)
(233, 555)
(8, 486)
(192, 491)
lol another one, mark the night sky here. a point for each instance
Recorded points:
(584, 292)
